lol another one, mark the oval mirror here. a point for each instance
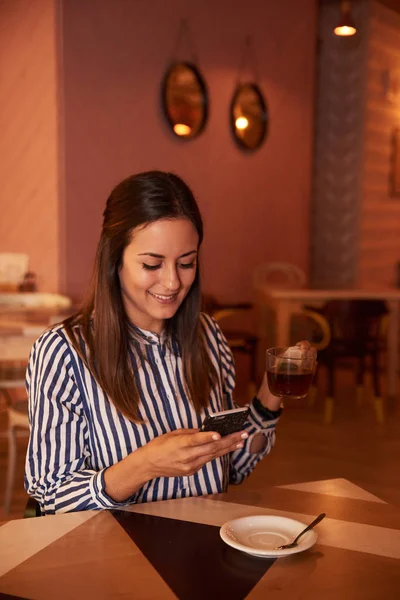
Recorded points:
(185, 102)
(249, 116)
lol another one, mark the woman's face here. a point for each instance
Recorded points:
(158, 268)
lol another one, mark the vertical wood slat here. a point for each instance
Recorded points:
(380, 212)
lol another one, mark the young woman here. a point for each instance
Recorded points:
(118, 392)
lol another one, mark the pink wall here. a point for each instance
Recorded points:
(256, 207)
(28, 141)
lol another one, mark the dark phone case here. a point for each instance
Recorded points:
(226, 424)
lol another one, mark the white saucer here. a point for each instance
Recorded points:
(261, 534)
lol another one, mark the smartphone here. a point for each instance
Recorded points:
(226, 421)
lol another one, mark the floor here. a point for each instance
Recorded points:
(353, 447)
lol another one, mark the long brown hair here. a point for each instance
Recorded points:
(103, 321)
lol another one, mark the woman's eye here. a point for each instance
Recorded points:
(190, 265)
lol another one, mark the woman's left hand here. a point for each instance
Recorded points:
(265, 396)
(307, 349)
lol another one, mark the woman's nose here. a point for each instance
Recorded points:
(170, 279)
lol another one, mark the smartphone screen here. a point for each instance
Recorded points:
(227, 421)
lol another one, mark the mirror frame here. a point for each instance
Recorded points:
(204, 93)
(265, 120)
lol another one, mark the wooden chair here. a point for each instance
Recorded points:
(308, 324)
(278, 275)
(239, 340)
(268, 276)
(32, 509)
(357, 335)
(12, 378)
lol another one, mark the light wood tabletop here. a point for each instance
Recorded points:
(173, 549)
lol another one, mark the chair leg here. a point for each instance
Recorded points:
(312, 394)
(12, 460)
(375, 374)
(252, 386)
(378, 400)
(360, 391)
(331, 378)
(329, 400)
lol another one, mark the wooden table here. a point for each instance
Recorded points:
(288, 302)
(28, 301)
(172, 549)
(20, 328)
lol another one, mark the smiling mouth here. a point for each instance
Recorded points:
(164, 299)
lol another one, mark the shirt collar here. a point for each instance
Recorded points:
(151, 338)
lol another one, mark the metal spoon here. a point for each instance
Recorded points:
(310, 526)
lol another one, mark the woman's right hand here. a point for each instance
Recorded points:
(184, 451)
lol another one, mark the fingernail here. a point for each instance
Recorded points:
(244, 436)
(239, 445)
(216, 437)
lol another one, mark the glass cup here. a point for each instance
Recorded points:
(290, 374)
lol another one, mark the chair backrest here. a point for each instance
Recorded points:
(12, 378)
(310, 325)
(210, 304)
(355, 321)
(236, 315)
(278, 275)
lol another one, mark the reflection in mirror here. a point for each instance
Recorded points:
(249, 117)
(184, 97)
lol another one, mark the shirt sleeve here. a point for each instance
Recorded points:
(57, 474)
(243, 461)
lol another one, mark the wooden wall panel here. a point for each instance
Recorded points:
(379, 249)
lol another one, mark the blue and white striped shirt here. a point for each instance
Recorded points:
(76, 432)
